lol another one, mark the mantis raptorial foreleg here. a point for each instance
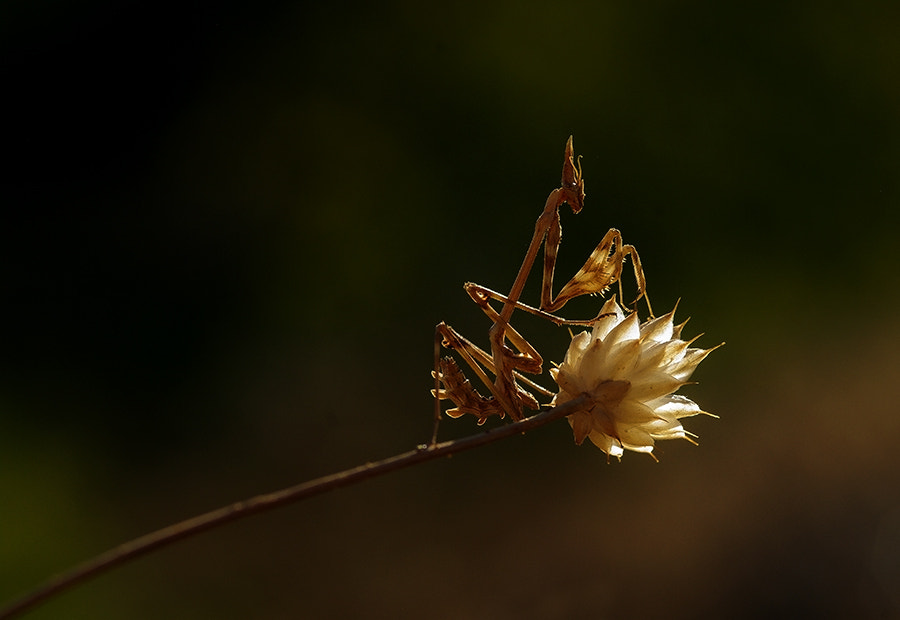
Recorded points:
(602, 269)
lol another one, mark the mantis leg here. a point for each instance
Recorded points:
(481, 295)
(460, 391)
(602, 269)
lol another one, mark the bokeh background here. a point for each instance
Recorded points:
(229, 230)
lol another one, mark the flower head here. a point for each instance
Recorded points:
(631, 372)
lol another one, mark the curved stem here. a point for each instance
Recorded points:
(269, 501)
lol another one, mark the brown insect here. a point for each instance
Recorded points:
(602, 269)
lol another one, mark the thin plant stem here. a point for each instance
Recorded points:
(269, 501)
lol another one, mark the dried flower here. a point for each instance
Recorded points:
(631, 371)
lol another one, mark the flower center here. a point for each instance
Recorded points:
(607, 397)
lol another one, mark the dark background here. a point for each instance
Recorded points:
(228, 232)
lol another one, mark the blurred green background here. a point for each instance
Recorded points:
(229, 230)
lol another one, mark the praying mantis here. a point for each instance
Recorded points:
(602, 269)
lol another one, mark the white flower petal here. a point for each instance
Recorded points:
(692, 357)
(633, 412)
(659, 329)
(663, 354)
(637, 439)
(606, 443)
(610, 316)
(627, 329)
(622, 360)
(652, 385)
(664, 428)
(675, 405)
(579, 343)
(676, 433)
